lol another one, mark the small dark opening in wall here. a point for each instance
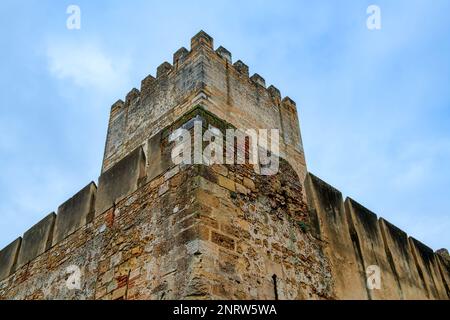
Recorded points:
(275, 289)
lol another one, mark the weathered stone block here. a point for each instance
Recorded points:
(222, 240)
(256, 78)
(193, 233)
(75, 212)
(443, 253)
(274, 93)
(163, 69)
(116, 107)
(427, 266)
(290, 124)
(328, 218)
(370, 249)
(8, 258)
(443, 260)
(399, 252)
(249, 184)
(185, 235)
(157, 160)
(226, 183)
(132, 96)
(179, 56)
(241, 67)
(36, 240)
(120, 180)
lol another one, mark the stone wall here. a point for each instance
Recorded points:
(354, 239)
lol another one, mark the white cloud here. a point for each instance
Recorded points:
(87, 65)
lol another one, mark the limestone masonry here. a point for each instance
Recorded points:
(151, 229)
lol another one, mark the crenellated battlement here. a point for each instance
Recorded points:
(206, 76)
(202, 41)
(356, 239)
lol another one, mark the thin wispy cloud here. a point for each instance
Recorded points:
(87, 65)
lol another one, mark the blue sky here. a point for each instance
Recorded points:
(374, 106)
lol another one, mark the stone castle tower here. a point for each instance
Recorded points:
(152, 229)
